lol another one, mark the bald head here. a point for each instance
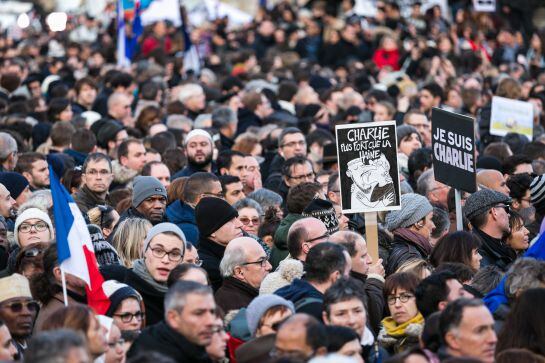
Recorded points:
(494, 180)
(7, 203)
(304, 234)
(303, 335)
(119, 105)
(356, 247)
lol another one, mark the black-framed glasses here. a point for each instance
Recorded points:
(17, 306)
(323, 236)
(505, 207)
(305, 176)
(402, 298)
(127, 317)
(38, 227)
(262, 262)
(174, 255)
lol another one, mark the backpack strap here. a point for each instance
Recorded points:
(307, 301)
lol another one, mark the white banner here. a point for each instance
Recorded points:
(511, 116)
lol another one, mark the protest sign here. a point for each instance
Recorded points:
(511, 116)
(369, 179)
(488, 6)
(453, 144)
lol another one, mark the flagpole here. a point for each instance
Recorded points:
(64, 294)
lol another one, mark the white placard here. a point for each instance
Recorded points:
(162, 10)
(511, 116)
(485, 6)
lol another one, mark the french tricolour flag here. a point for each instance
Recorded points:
(76, 252)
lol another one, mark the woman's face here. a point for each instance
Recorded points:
(410, 144)
(352, 349)
(402, 311)
(115, 352)
(476, 259)
(381, 113)
(32, 231)
(269, 321)
(518, 239)
(66, 114)
(216, 348)
(128, 315)
(170, 248)
(96, 338)
(427, 226)
(250, 220)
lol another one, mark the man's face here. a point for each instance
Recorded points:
(196, 320)
(427, 101)
(172, 247)
(7, 346)
(121, 109)
(87, 95)
(19, 314)
(254, 273)
(350, 313)
(291, 341)
(361, 260)
(153, 208)
(439, 193)
(423, 126)
(98, 176)
(238, 166)
(293, 145)
(136, 157)
(497, 182)
(7, 203)
(316, 233)
(199, 151)
(456, 290)
(501, 218)
(39, 174)
(228, 232)
(475, 337)
(161, 172)
(300, 173)
(234, 193)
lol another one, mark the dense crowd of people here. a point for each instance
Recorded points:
(212, 194)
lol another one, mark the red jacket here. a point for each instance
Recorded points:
(151, 43)
(383, 58)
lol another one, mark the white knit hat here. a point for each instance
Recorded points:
(197, 132)
(33, 213)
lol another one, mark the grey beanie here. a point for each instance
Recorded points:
(404, 131)
(162, 228)
(144, 187)
(482, 200)
(414, 208)
(259, 306)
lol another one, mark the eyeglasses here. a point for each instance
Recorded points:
(17, 307)
(38, 227)
(118, 342)
(246, 221)
(506, 208)
(196, 262)
(174, 255)
(127, 317)
(323, 236)
(102, 172)
(294, 143)
(301, 177)
(402, 298)
(262, 262)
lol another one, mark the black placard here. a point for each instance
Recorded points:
(368, 174)
(453, 144)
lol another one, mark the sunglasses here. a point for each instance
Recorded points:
(17, 307)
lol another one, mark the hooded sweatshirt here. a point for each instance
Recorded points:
(183, 215)
(306, 298)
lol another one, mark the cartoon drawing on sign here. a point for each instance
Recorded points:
(372, 184)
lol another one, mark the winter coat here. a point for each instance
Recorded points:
(235, 294)
(87, 199)
(305, 297)
(274, 173)
(153, 299)
(211, 254)
(403, 250)
(246, 119)
(280, 249)
(494, 251)
(374, 286)
(163, 339)
(183, 215)
(122, 175)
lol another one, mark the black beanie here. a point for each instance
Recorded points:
(211, 213)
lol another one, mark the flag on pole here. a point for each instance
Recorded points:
(497, 297)
(122, 60)
(131, 43)
(75, 249)
(191, 55)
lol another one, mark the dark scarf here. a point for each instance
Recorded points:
(417, 239)
(497, 249)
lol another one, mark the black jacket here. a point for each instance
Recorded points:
(235, 294)
(153, 299)
(375, 300)
(211, 254)
(134, 213)
(163, 339)
(274, 174)
(86, 199)
(494, 251)
(402, 251)
(246, 119)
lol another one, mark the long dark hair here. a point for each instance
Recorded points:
(455, 247)
(524, 327)
(44, 286)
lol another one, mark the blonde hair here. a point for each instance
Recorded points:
(417, 267)
(128, 239)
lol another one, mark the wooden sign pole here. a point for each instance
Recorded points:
(459, 218)
(371, 234)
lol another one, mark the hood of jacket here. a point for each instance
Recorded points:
(179, 212)
(298, 290)
(78, 157)
(281, 234)
(122, 174)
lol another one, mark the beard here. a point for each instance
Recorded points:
(200, 164)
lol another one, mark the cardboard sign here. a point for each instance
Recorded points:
(368, 174)
(511, 116)
(453, 145)
(485, 6)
